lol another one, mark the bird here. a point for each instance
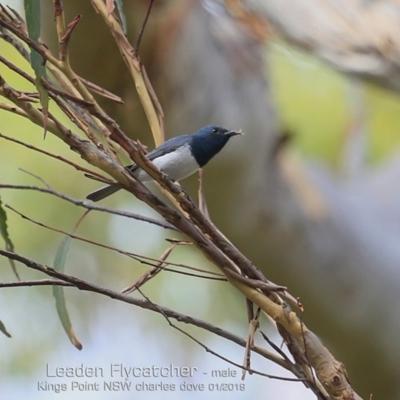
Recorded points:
(178, 157)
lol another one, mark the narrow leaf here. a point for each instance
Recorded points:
(58, 293)
(32, 13)
(6, 237)
(122, 17)
(4, 330)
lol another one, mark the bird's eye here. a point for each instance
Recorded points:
(215, 130)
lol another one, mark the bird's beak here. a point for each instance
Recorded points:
(234, 133)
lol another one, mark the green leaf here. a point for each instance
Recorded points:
(121, 13)
(4, 330)
(32, 13)
(6, 237)
(58, 293)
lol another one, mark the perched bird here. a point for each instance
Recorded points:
(178, 157)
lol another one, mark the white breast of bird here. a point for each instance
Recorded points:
(178, 165)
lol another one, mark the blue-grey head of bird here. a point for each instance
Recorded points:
(209, 141)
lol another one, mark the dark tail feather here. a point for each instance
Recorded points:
(102, 193)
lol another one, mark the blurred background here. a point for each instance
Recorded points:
(310, 194)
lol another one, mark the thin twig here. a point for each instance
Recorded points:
(57, 157)
(202, 198)
(156, 102)
(267, 286)
(36, 176)
(89, 205)
(151, 273)
(208, 350)
(64, 41)
(16, 69)
(253, 325)
(142, 28)
(153, 262)
(14, 42)
(37, 282)
(143, 303)
(101, 91)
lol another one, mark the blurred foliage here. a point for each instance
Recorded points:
(313, 102)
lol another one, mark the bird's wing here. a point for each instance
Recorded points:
(167, 147)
